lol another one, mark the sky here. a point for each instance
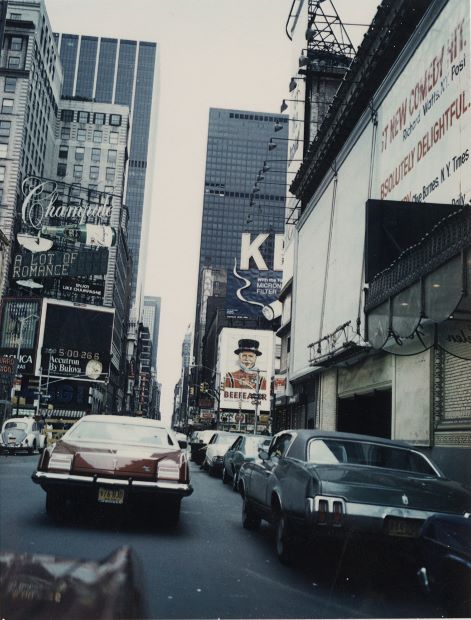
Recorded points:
(211, 53)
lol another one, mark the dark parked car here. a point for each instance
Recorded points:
(198, 445)
(445, 552)
(115, 460)
(244, 449)
(321, 485)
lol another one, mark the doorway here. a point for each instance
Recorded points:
(366, 414)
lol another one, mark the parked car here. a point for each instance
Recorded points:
(215, 451)
(445, 553)
(198, 445)
(22, 434)
(182, 440)
(115, 460)
(319, 485)
(245, 448)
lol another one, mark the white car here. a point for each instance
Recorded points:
(217, 448)
(21, 435)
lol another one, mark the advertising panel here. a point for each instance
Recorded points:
(59, 264)
(75, 341)
(245, 359)
(254, 285)
(423, 148)
(19, 326)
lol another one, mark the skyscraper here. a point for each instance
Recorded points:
(238, 155)
(151, 319)
(119, 71)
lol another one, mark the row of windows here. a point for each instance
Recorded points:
(97, 136)
(259, 117)
(212, 192)
(93, 174)
(97, 118)
(80, 154)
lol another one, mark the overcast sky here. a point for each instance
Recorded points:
(211, 53)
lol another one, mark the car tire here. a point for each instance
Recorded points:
(225, 477)
(283, 539)
(54, 506)
(35, 448)
(250, 520)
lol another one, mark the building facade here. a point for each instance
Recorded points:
(151, 319)
(120, 71)
(380, 317)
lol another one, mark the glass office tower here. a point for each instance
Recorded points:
(118, 71)
(238, 146)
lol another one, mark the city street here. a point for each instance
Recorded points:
(208, 566)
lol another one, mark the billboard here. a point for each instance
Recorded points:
(18, 330)
(254, 285)
(245, 358)
(75, 341)
(422, 152)
(72, 263)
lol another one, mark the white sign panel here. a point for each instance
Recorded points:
(423, 140)
(245, 359)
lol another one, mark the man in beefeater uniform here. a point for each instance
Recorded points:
(245, 377)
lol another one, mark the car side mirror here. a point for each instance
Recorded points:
(182, 443)
(263, 454)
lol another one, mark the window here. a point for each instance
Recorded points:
(65, 133)
(112, 156)
(78, 171)
(99, 118)
(82, 117)
(97, 136)
(10, 84)
(13, 62)
(63, 151)
(114, 137)
(15, 15)
(16, 44)
(2, 174)
(109, 189)
(96, 154)
(7, 106)
(115, 120)
(94, 171)
(110, 174)
(67, 116)
(79, 153)
(81, 135)
(3, 150)
(61, 169)
(5, 129)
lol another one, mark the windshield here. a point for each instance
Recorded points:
(224, 439)
(254, 444)
(20, 425)
(335, 451)
(120, 433)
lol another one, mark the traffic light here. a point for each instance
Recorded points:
(204, 387)
(192, 390)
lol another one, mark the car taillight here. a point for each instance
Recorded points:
(60, 462)
(168, 469)
(322, 511)
(337, 513)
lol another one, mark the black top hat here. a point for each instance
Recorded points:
(246, 344)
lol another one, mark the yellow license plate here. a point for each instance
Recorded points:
(110, 496)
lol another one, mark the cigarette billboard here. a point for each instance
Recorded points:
(75, 341)
(245, 362)
(18, 331)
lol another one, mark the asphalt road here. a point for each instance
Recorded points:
(208, 566)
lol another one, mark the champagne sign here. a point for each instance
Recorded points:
(45, 199)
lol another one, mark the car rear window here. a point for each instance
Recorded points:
(20, 425)
(120, 433)
(335, 451)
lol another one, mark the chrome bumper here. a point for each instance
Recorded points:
(44, 478)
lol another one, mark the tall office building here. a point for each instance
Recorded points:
(120, 71)
(151, 319)
(238, 146)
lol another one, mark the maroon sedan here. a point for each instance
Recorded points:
(117, 460)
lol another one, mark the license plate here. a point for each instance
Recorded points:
(110, 496)
(407, 528)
